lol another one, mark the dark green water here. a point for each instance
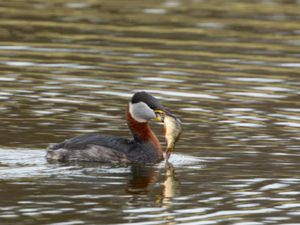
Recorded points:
(229, 69)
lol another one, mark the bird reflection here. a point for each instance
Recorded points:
(144, 178)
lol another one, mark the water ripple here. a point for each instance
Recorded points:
(229, 71)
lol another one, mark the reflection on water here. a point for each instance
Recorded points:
(229, 70)
(28, 171)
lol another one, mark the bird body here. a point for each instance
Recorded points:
(143, 148)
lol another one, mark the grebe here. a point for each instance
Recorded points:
(143, 148)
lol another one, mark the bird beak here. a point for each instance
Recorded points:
(160, 115)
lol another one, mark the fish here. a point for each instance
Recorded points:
(172, 130)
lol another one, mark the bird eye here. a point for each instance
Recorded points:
(151, 106)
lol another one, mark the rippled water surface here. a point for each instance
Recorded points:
(229, 69)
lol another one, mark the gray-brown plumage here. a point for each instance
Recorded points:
(143, 148)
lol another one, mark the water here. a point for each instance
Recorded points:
(229, 70)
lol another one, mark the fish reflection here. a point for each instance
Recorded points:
(170, 184)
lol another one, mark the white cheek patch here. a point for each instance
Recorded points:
(141, 112)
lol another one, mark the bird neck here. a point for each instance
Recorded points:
(143, 133)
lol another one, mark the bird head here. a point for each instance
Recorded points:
(143, 107)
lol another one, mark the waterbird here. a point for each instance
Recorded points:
(143, 148)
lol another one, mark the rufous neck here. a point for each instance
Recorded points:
(143, 133)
